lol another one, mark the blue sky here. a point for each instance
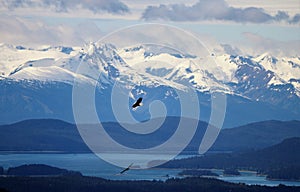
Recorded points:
(249, 25)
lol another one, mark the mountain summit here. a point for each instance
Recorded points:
(265, 83)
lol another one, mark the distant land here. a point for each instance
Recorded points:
(76, 182)
(280, 161)
(256, 135)
(49, 135)
(38, 170)
(39, 83)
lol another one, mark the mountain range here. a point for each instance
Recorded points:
(48, 135)
(38, 83)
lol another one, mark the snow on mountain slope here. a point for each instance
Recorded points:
(47, 74)
(227, 67)
(174, 67)
(13, 58)
(227, 73)
(39, 83)
(151, 66)
(287, 70)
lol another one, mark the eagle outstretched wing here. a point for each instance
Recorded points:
(137, 103)
(126, 169)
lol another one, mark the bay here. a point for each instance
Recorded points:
(90, 164)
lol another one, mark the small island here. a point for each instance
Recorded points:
(231, 171)
(197, 173)
(38, 170)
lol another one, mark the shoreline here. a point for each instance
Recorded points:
(243, 180)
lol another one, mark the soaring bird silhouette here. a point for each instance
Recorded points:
(126, 169)
(137, 103)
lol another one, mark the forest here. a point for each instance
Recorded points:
(71, 183)
(280, 161)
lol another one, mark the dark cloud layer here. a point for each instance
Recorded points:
(213, 10)
(111, 6)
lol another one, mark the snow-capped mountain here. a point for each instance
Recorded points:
(264, 83)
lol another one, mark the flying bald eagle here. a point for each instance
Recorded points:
(137, 103)
(126, 169)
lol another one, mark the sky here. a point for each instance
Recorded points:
(247, 27)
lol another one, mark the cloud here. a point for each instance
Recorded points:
(251, 44)
(98, 6)
(296, 19)
(212, 10)
(232, 50)
(281, 15)
(35, 32)
(256, 44)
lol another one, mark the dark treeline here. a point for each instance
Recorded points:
(38, 170)
(285, 173)
(91, 184)
(280, 161)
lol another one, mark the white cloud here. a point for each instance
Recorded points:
(250, 44)
(35, 32)
(256, 44)
(212, 10)
(19, 26)
(111, 6)
(292, 7)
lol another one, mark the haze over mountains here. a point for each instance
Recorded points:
(38, 83)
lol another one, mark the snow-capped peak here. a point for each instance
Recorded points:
(14, 59)
(149, 65)
(285, 68)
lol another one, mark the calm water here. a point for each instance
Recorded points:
(91, 165)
